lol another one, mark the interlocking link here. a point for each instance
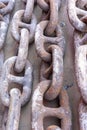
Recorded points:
(51, 68)
(7, 78)
(53, 7)
(39, 36)
(56, 68)
(56, 51)
(39, 111)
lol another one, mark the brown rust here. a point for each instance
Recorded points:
(56, 69)
(7, 78)
(39, 111)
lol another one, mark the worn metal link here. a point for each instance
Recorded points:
(7, 78)
(51, 6)
(54, 54)
(80, 41)
(39, 36)
(56, 68)
(39, 111)
(17, 23)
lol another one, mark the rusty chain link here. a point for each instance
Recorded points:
(49, 32)
(77, 13)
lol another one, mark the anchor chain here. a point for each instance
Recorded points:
(50, 47)
(77, 13)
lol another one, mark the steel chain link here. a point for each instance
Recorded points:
(78, 18)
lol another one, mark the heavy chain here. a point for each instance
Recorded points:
(77, 12)
(23, 29)
(48, 31)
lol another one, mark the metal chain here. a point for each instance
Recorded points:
(48, 31)
(23, 30)
(78, 18)
(6, 8)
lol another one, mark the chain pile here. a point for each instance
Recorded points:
(50, 46)
(77, 12)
